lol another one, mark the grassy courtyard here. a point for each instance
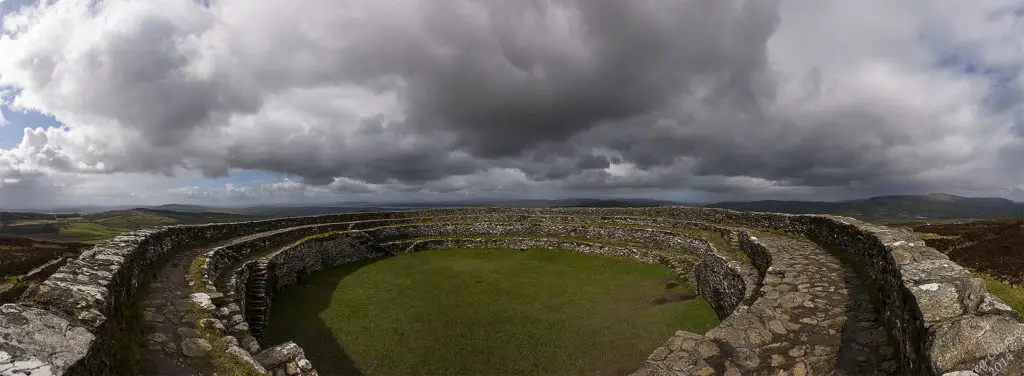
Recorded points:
(486, 312)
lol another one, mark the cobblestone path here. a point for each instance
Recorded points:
(814, 317)
(172, 345)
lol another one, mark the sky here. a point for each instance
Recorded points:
(236, 102)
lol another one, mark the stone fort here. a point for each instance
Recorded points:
(796, 294)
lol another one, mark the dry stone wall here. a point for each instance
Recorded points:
(942, 319)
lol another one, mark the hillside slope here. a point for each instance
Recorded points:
(898, 208)
(93, 228)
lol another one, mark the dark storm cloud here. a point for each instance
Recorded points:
(505, 88)
(725, 96)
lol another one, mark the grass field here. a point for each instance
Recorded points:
(95, 228)
(88, 232)
(485, 312)
(1010, 293)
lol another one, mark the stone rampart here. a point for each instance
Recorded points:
(941, 317)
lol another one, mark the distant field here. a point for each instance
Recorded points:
(484, 312)
(995, 247)
(993, 250)
(19, 256)
(94, 228)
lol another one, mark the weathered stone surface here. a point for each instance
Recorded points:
(279, 355)
(212, 324)
(189, 333)
(933, 271)
(203, 301)
(245, 358)
(992, 305)
(939, 301)
(974, 338)
(195, 347)
(34, 341)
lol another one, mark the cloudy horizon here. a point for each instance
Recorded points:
(229, 102)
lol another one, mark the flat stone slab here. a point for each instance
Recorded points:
(39, 343)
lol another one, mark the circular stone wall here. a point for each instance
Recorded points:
(792, 291)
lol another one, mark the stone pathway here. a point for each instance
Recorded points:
(173, 346)
(813, 317)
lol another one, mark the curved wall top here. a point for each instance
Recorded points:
(941, 317)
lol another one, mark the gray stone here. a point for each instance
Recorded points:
(973, 338)
(747, 359)
(930, 271)
(217, 298)
(36, 341)
(658, 354)
(152, 317)
(245, 358)
(203, 301)
(195, 347)
(938, 301)
(279, 355)
(209, 323)
(708, 349)
(229, 341)
(993, 305)
(250, 344)
(189, 333)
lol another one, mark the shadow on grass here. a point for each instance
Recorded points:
(308, 330)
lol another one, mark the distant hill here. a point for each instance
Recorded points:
(16, 216)
(92, 228)
(896, 208)
(346, 207)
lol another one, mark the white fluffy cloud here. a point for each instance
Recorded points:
(733, 98)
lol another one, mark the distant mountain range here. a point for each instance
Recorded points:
(897, 208)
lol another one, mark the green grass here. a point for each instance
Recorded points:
(928, 235)
(484, 312)
(95, 228)
(89, 232)
(196, 276)
(134, 220)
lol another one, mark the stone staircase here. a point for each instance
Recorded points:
(256, 297)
